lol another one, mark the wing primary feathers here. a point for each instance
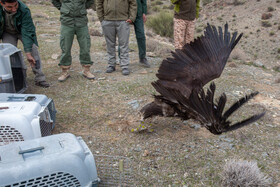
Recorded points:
(245, 122)
(238, 104)
(236, 41)
(233, 39)
(226, 35)
(221, 105)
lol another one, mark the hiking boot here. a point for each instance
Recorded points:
(144, 62)
(64, 75)
(110, 69)
(86, 72)
(42, 84)
(125, 71)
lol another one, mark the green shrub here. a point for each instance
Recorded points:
(198, 29)
(271, 33)
(237, 2)
(156, 9)
(162, 24)
(169, 7)
(270, 9)
(266, 23)
(159, 2)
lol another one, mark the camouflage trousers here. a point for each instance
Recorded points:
(183, 32)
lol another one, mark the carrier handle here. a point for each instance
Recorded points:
(31, 150)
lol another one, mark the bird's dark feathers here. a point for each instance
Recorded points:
(181, 79)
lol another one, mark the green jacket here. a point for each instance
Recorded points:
(141, 7)
(24, 26)
(73, 12)
(186, 9)
(116, 10)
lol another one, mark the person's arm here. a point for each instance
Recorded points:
(100, 10)
(30, 59)
(28, 34)
(56, 3)
(132, 10)
(144, 10)
(144, 6)
(89, 3)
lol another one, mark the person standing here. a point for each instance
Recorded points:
(140, 32)
(16, 24)
(115, 17)
(73, 18)
(185, 14)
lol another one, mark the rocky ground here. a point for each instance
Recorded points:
(168, 152)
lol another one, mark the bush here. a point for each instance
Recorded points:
(243, 173)
(162, 24)
(156, 9)
(237, 2)
(159, 3)
(270, 9)
(266, 16)
(266, 24)
(271, 33)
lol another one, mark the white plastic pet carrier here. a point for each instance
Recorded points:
(24, 117)
(60, 160)
(12, 70)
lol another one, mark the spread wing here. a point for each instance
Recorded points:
(198, 62)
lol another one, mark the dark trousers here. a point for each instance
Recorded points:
(140, 36)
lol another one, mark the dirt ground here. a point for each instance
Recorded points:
(170, 152)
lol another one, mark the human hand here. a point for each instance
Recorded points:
(144, 18)
(30, 59)
(129, 21)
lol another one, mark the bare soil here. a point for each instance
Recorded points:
(170, 152)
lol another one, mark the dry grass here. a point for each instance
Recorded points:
(174, 153)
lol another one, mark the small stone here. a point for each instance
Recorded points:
(55, 56)
(229, 140)
(185, 122)
(258, 63)
(264, 154)
(146, 153)
(101, 78)
(195, 126)
(134, 104)
(138, 149)
(144, 72)
(269, 125)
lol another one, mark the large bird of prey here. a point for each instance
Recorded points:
(182, 77)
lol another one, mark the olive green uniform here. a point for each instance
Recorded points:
(139, 28)
(74, 22)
